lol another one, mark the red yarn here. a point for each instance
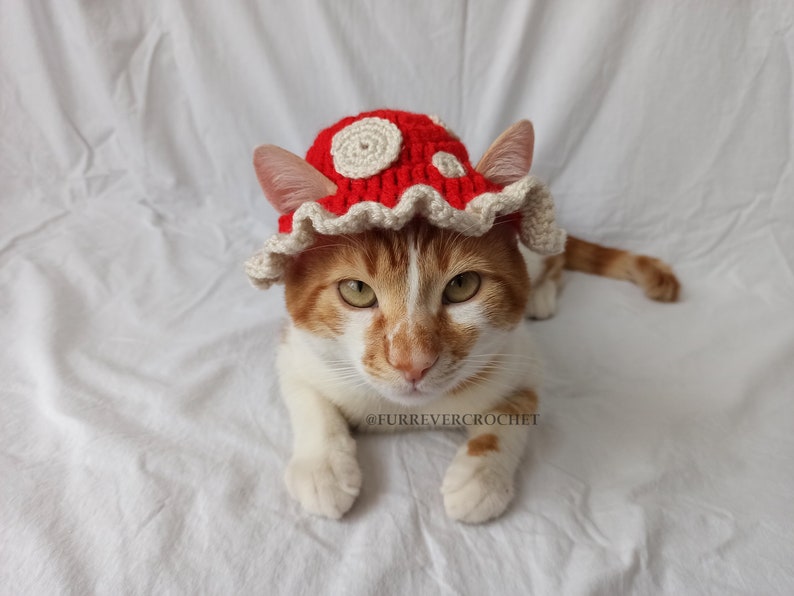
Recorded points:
(421, 140)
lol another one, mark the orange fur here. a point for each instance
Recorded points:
(524, 401)
(380, 259)
(482, 444)
(655, 277)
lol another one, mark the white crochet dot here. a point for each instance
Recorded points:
(436, 120)
(448, 165)
(366, 147)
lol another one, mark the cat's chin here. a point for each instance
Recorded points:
(410, 397)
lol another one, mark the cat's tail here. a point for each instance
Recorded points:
(655, 277)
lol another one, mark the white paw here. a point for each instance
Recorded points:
(543, 300)
(476, 488)
(327, 484)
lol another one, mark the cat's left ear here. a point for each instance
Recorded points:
(287, 180)
(510, 156)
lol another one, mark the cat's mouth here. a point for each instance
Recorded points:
(394, 388)
(414, 390)
(409, 393)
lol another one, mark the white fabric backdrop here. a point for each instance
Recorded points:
(142, 439)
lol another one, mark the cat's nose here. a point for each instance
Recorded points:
(415, 367)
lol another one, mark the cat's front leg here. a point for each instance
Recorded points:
(479, 483)
(544, 274)
(323, 474)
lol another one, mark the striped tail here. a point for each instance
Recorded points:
(655, 277)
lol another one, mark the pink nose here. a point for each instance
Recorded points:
(414, 368)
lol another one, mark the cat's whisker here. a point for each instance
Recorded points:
(490, 384)
(341, 366)
(340, 374)
(527, 370)
(502, 364)
(487, 370)
(504, 361)
(344, 376)
(524, 357)
(516, 354)
(361, 384)
(345, 384)
(322, 246)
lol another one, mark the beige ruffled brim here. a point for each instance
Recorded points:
(529, 196)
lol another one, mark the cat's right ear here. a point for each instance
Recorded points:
(287, 180)
(510, 156)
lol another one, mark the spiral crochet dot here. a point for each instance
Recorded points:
(366, 147)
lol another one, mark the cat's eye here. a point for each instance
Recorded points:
(462, 287)
(357, 293)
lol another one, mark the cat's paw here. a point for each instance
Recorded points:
(656, 279)
(327, 484)
(476, 489)
(542, 302)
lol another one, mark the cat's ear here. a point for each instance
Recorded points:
(287, 180)
(510, 156)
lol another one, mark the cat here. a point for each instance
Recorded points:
(421, 326)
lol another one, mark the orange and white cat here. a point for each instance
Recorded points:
(421, 321)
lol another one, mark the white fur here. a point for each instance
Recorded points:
(323, 474)
(413, 277)
(542, 302)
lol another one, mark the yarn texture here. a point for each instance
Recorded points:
(391, 166)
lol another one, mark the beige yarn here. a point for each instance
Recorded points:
(448, 165)
(529, 196)
(366, 147)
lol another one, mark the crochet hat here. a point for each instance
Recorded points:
(387, 168)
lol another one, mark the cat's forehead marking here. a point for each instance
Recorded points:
(413, 279)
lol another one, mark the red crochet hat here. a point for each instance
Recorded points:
(391, 166)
